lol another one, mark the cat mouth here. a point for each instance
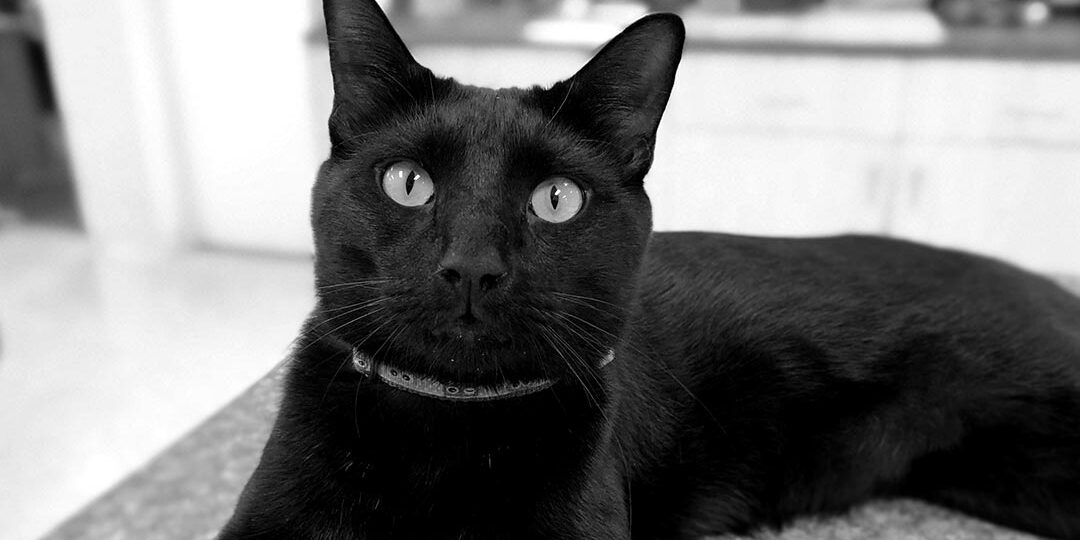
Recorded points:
(469, 332)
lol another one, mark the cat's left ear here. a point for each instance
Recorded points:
(623, 90)
(374, 73)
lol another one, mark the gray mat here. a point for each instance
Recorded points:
(188, 492)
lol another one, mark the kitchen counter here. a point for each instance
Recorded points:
(908, 33)
(188, 492)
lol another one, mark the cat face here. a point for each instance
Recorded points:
(477, 234)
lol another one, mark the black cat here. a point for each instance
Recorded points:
(502, 348)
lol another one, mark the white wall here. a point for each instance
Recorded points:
(189, 121)
(109, 64)
(243, 90)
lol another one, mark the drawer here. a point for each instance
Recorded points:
(995, 101)
(788, 94)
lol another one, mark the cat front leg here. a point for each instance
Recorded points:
(601, 512)
(287, 499)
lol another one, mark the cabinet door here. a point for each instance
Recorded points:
(1019, 204)
(807, 95)
(767, 185)
(1010, 102)
(244, 131)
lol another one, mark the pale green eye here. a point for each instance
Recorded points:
(408, 184)
(556, 200)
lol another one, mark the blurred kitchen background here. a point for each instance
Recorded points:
(156, 158)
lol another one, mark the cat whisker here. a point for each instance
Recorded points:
(351, 308)
(568, 322)
(589, 302)
(315, 339)
(341, 366)
(368, 283)
(375, 331)
(570, 88)
(362, 316)
(667, 370)
(598, 348)
(607, 421)
(571, 350)
(348, 358)
(552, 339)
(398, 330)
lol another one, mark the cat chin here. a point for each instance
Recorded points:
(469, 335)
(480, 361)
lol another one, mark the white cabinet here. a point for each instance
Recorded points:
(993, 102)
(1014, 203)
(980, 155)
(755, 184)
(778, 95)
(991, 160)
(777, 145)
(244, 122)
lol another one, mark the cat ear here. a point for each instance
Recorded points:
(373, 71)
(623, 90)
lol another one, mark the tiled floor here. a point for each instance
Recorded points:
(105, 361)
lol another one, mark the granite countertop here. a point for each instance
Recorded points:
(188, 492)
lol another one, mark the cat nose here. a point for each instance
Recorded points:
(486, 270)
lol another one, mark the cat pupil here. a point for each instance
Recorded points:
(410, 181)
(554, 197)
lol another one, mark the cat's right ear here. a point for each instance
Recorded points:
(374, 73)
(622, 92)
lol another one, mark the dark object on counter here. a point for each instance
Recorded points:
(20, 110)
(673, 6)
(35, 181)
(778, 6)
(994, 12)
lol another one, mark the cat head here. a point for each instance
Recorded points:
(484, 234)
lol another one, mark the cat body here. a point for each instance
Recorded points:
(679, 384)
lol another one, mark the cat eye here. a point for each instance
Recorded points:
(407, 184)
(556, 200)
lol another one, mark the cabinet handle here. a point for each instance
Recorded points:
(782, 103)
(873, 183)
(915, 187)
(1024, 113)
